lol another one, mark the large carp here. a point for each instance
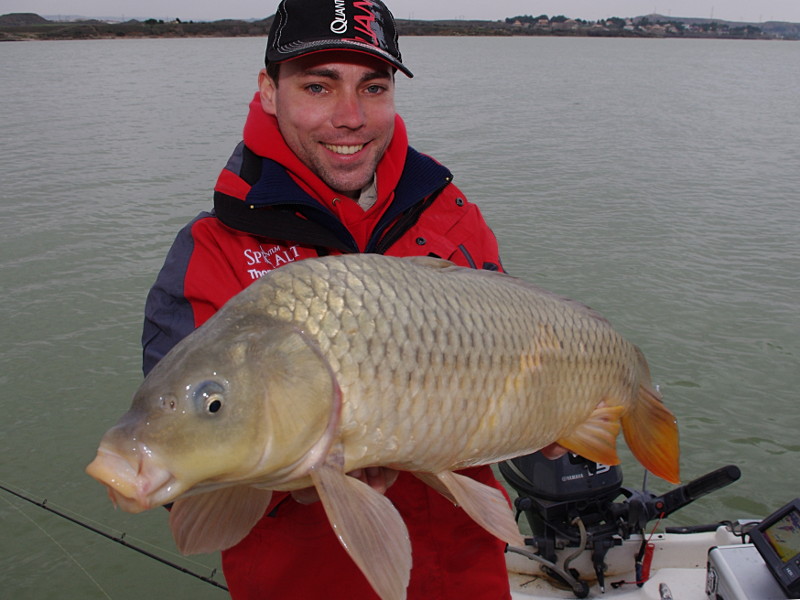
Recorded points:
(334, 364)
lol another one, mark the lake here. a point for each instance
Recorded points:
(656, 180)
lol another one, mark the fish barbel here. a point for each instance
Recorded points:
(329, 365)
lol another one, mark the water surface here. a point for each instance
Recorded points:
(656, 180)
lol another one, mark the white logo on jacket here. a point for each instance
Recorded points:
(264, 260)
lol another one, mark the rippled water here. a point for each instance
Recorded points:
(656, 180)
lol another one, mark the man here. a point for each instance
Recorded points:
(325, 168)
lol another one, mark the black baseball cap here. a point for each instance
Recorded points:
(304, 26)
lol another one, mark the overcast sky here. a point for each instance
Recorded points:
(731, 10)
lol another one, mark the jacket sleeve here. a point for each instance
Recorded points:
(483, 244)
(476, 243)
(168, 315)
(196, 280)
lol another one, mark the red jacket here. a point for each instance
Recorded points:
(269, 210)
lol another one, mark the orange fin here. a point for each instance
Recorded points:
(216, 520)
(596, 438)
(651, 432)
(487, 506)
(369, 527)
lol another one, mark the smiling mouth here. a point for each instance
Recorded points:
(345, 150)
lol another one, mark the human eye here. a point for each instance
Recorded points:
(315, 88)
(375, 89)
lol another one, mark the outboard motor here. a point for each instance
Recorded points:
(568, 501)
(574, 502)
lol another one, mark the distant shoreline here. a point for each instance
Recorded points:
(29, 26)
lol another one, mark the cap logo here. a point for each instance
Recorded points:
(339, 23)
(366, 21)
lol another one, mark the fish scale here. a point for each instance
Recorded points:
(417, 338)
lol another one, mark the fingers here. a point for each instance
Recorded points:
(378, 478)
(553, 451)
(307, 495)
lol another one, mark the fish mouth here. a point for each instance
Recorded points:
(133, 484)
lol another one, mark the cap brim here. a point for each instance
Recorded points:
(278, 55)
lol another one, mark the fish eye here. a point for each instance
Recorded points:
(209, 397)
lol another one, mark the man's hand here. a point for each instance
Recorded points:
(553, 451)
(379, 479)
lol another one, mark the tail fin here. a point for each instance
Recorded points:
(651, 430)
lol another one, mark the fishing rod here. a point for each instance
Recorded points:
(118, 539)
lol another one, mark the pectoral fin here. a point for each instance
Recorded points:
(369, 527)
(596, 438)
(216, 520)
(431, 480)
(484, 504)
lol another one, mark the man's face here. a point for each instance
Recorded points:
(336, 112)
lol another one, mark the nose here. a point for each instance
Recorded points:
(348, 112)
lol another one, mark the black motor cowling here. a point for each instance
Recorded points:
(569, 478)
(556, 491)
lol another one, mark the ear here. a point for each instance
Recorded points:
(267, 89)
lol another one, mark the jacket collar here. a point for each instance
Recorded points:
(395, 178)
(262, 136)
(405, 179)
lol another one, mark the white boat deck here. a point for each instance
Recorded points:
(679, 563)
